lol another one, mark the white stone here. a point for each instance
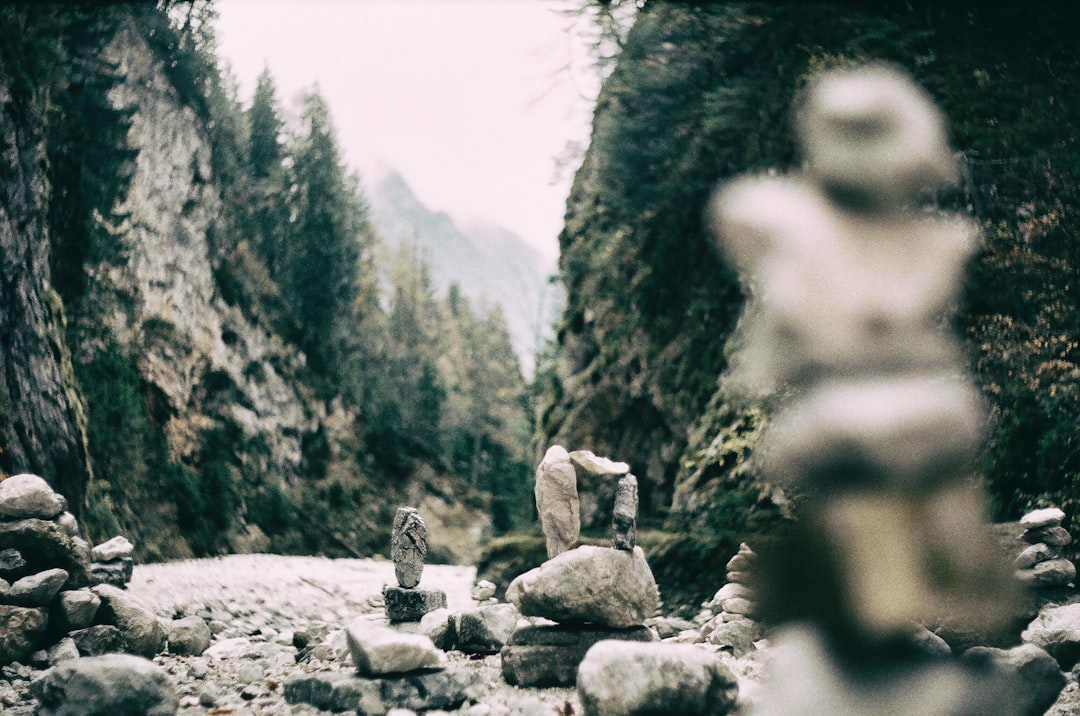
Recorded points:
(28, 496)
(1048, 517)
(589, 584)
(378, 649)
(619, 677)
(557, 501)
(119, 547)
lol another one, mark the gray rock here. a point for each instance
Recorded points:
(603, 586)
(441, 627)
(117, 548)
(1055, 537)
(144, 633)
(1048, 517)
(485, 630)
(63, 650)
(20, 628)
(637, 679)
(23, 496)
(189, 636)
(1057, 630)
(116, 574)
(546, 656)
(736, 635)
(584, 461)
(99, 639)
(11, 562)
(557, 501)
(341, 691)
(1052, 573)
(110, 685)
(624, 516)
(410, 605)
(930, 643)
(68, 524)
(408, 546)
(37, 590)
(1033, 555)
(44, 544)
(378, 650)
(483, 590)
(5, 587)
(738, 605)
(74, 609)
(1035, 673)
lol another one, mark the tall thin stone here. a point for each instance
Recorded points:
(624, 518)
(408, 546)
(557, 500)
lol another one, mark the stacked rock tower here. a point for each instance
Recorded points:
(408, 547)
(592, 593)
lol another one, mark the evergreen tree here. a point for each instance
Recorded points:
(329, 234)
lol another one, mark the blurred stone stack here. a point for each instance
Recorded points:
(592, 593)
(727, 620)
(112, 562)
(1042, 564)
(48, 611)
(408, 547)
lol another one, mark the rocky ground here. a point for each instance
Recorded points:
(260, 607)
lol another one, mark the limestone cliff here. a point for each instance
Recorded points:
(42, 422)
(205, 358)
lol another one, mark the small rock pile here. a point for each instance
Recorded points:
(112, 562)
(727, 620)
(1041, 565)
(53, 610)
(408, 547)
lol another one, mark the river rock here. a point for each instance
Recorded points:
(1036, 674)
(485, 630)
(20, 628)
(118, 547)
(44, 544)
(408, 546)
(440, 626)
(37, 590)
(549, 655)
(143, 632)
(11, 562)
(632, 679)
(624, 515)
(603, 586)
(557, 500)
(99, 639)
(1051, 573)
(1054, 536)
(109, 685)
(189, 636)
(1057, 630)
(1049, 517)
(74, 609)
(1034, 554)
(63, 650)
(26, 495)
(378, 650)
(116, 573)
(410, 605)
(340, 691)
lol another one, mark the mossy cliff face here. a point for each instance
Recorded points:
(41, 417)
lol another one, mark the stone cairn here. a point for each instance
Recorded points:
(55, 606)
(599, 599)
(1041, 565)
(875, 426)
(728, 619)
(408, 547)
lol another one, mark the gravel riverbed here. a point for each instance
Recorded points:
(257, 604)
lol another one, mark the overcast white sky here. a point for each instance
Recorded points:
(473, 101)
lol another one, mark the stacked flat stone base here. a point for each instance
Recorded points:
(543, 656)
(410, 605)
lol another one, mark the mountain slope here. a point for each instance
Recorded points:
(491, 264)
